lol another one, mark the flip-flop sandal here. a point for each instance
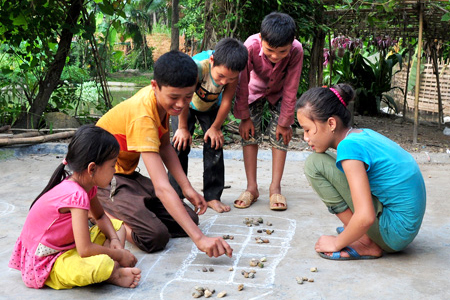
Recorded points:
(245, 197)
(277, 199)
(352, 252)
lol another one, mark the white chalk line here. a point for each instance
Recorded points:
(242, 253)
(7, 210)
(194, 251)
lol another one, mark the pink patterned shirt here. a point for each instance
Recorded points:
(261, 79)
(47, 233)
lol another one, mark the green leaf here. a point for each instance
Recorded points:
(106, 8)
(446, 17)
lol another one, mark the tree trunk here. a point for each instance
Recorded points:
(53, 75)
(315, 74)
(175, 37)
(208, 26)
(316, 61)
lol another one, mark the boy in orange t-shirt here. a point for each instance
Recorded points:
(151, 209)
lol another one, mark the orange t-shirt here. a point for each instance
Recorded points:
(137, 127)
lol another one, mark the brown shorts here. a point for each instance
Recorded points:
(132, 199)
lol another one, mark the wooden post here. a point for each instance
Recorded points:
(436, 71)
(405, 96)
(416, 96)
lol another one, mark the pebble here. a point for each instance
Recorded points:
(211, 269)
(299, 280)
(240, 287)
(221, 294)
(204, 269)
(311, 280)
(313, 269)
(208, 293)
(231, 269)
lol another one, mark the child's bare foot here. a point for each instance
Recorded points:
(218, 206)
(125, 277)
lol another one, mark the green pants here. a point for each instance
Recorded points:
(332, 187)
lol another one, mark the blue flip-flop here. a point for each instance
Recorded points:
(339, 229)
(352, 252)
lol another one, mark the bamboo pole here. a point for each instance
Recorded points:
(416, 95)
(36, 140)
(405, 95)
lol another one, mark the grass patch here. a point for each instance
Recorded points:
(6, 154)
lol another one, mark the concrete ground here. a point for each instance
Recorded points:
(419, 272)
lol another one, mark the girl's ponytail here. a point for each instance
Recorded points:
(58, 175)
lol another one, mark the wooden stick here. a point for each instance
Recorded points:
(36, 140)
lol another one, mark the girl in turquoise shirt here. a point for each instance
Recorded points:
(372, 185)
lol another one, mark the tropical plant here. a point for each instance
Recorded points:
(372, 82)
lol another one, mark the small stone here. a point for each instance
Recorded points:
(197, 294)
(240, 287)
(311, 280)
(260, 220)
(199, 288)
(256, 223)
(208, 293)
(313, 269)
(254, 263)
(299, 280)
(261, 265)
(268, 223)
(269, 232)
(225, 236)
(204, 269)
(265, 241)
(305, 278)
(249, 225)
(221, 294)
(246, 274)
(252, 271)
(231, 237)
(251, 275)
(263, 259)
(429, 176)
(231, 269)
(211, 269)
(259, 231)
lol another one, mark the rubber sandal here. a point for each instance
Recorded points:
(352, 252)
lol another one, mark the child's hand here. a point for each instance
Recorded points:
(214, 246)
(197, 200)
(127, 258)
(326, 243)
(216, 137)
(246, 128)
(181, 139)
(285, 132)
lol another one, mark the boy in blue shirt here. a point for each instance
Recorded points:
(218, 74)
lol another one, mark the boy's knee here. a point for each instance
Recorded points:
(152, 242)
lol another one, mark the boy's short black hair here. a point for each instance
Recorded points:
(230, 53)
(175, 69)
(278, 29)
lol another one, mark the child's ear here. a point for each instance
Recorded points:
(332, 123)
(211, 59)
(154, 84)
(91, 168)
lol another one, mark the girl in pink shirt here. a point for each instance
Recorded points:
(56, 247)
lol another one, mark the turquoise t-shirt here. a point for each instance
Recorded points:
(395, 179)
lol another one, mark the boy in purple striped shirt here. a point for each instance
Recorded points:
(275, 60)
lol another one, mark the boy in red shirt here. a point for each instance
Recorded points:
(275, 60)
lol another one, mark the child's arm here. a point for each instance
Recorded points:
(104, 223)
(165, 192)
(215, 131)
(182, 137)
(86, 248)
(364, 214)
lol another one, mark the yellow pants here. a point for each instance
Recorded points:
(71, 270)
